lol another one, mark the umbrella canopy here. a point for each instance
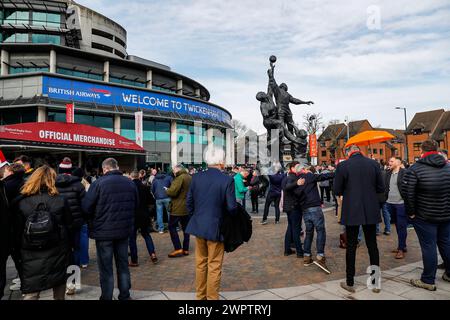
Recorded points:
(369, 137)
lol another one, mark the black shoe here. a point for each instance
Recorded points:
(289, 253)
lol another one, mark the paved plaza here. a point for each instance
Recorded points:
(258, 270)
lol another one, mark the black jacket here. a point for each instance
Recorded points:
(254, 183)
(13, 184)
(146, 203)
(45, 268)
(360, 182)
(290, 199)
(73, 191)
(5, 228)
(308, 193)
(387, 182)
(236, 229)
(426, 187)
(111, 204)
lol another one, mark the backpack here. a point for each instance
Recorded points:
(236, 229)
(41, 228)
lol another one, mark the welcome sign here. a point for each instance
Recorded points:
(72, 90)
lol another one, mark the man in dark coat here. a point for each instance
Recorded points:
(142, 222)
(5, 233)
(70, 187)
(360, 182)
(274, 195)
(426, 191)
(211, 195)
(160, 184)
(110, 205)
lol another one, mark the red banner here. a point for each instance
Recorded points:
(70, 113)
(62, 133)
(313, 146)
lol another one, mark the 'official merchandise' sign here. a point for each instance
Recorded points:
(80, 91)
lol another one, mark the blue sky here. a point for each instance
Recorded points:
(326, 53)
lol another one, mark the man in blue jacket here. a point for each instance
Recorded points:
(110, 205)
(211, 196)
(160, 184)
(274, 195)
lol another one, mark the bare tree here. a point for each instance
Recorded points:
(239, 128)
(313, 122)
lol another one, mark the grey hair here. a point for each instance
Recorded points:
(214, 156)
(134, 174)
(354, 147)
(179, 166)
(110, 164)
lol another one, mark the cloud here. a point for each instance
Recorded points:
(325, 52)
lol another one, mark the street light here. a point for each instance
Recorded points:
(406, 136)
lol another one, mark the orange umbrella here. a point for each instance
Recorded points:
(367, 138)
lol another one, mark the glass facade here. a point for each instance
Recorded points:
(79, 74)
(18, 115)
(127, 82)
(163, 89)
(45, 38)
(21, 17)
(153, 130)
(15, 70)
(11, 36)
(100, 121)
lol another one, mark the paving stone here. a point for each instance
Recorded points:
(369, 295)
(265, 295)
(180, 295)
(234, 295)
(422, 294)
(395, 287)
(318, 295)
(287, 293)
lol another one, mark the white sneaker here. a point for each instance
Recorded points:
(16, 281)
(15, 287)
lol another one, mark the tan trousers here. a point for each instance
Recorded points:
(209, 260)
(59, 293)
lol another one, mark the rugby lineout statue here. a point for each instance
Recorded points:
(277, 115)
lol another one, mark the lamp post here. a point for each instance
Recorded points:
(406, 136)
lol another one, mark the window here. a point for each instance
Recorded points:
(13, 37)
(155, 87)
(79, 74)
(103, 34)
(104, 122)
(19, 115)
(16, 70)
(381, 152)
(45, 38)
(118, 53)
(324, 153)
(11, 16)
(119, 41)
(375, 151)
(127, 82)
(153, 130)
(416, 146)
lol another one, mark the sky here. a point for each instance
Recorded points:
(354, 58)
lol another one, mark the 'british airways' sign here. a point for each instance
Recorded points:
(72, 90)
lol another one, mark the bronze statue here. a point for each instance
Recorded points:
(278, 115)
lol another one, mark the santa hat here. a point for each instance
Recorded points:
(3, 161)
(65, 166)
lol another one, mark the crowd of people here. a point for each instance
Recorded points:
(47, 216)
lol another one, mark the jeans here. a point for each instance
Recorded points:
(160, 203)
(314, 219)
(272, 198)
(293, 232)
(81, 246)
(133, 246)
(183, 220)
(370, 234)
(386, 217)
(402, 220)
(241, 201)
(431, 235)
(106, 250)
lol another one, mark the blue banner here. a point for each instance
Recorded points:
(72, 90)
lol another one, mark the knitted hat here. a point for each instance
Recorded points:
(65, 166)
(3, 161)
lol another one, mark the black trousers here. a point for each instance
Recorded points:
(269, 200)
(370, 235)
(3, 261)
(323, 191)
(254, 197)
